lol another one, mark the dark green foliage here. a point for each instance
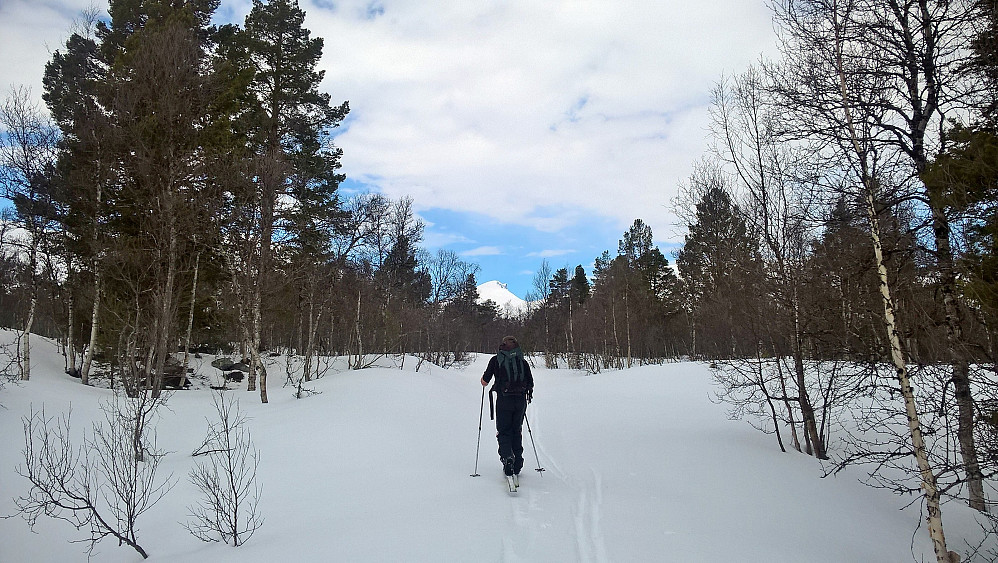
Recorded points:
(716, 247)
(580, 286)
(965, 178)
(629, 312)
(402, 275)
(720, 269)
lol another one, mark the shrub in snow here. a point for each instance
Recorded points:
(227, 510)
(102, 487)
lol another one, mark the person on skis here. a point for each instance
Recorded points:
(514, 386)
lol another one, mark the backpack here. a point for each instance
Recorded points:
(515, 382)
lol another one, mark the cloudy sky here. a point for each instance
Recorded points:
(524, 130)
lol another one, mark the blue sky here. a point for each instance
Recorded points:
(513, 253)
(521, 129)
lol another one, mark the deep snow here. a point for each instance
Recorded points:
(640, 466)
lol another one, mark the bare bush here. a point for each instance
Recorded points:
(228, 509)
(101, 487)
(10, 367)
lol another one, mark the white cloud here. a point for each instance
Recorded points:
(436, 239)
(563, 109)
(534, 113)
(550, 253)
(30, 30)
(483, 251)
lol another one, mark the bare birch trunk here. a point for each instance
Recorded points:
(88, 357)
(26, 340)
(930, 489)
(271, 180)
(165, 309)
(613, 319)
(693, 336)
(313, 329)
(71, 335)
(147, 366)
(786, 401)
(244, 297)
(255, 347)
(772, 408)
(814, 438)
(190, 323)
(306, 361)
(627, 322)
(360, 343)
(571, 328)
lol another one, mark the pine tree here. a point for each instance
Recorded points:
(164, 129)
(717, 264)
(403, 278)
(560, 288)
(75, 83)
(287, 124)
(637, 294)
(580, 286)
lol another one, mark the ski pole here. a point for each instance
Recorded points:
(539, 468)
(478, 448)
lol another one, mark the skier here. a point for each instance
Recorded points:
(514, 386)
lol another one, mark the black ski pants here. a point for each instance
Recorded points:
(509, 429)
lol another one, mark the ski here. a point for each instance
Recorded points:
(511, 484)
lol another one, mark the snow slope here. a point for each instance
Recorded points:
(640, 466)
(499, 293)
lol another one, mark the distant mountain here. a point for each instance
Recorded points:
(498, 292)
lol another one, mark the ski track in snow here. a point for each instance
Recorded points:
(585, 510)
(588, 536)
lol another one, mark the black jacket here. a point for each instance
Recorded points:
(501, 377)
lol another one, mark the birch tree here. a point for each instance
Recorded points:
(779, 204)
(908, 56)
(838, 82)
(27, 157)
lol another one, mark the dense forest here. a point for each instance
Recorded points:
(179, 193)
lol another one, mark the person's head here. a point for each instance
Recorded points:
(509, 343)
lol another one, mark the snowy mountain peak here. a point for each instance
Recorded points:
(499, 293)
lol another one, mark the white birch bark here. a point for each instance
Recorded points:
(70, 334)
(190, 323)
(25, 341)
(930, 490)
(88, 357)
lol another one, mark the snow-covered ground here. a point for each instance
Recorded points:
(640, 466)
